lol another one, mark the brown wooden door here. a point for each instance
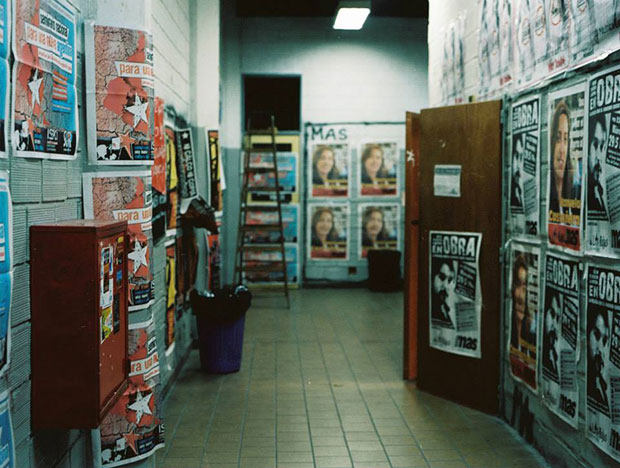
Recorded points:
(470, 136)
(412, 173)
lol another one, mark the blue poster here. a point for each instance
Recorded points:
(5, 23)
(6, 285)
(44, 76)
(7, 447)
(6, 242)
(290, 225)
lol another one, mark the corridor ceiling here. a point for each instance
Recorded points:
(322, 8)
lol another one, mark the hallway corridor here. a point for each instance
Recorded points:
(320, 386)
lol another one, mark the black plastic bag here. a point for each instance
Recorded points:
(223, 305)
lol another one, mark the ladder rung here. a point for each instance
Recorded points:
(262, 248)
(260, 208)
(267, 131)
(261, 170)
(262, 150)
(263, 189)
(260, 268)
(261, 227)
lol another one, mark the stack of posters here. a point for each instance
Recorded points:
(5, 51)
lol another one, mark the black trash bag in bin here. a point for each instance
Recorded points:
(223, 305)
(220, 317)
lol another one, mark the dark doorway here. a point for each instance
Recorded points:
(278, 95)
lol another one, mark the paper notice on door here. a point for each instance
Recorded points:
(447, 180)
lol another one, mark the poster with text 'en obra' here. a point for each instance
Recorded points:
(524, 172)
(120, 95)
(522, 313)
(603, 358)
(133, 429)
(45, 122)
(603, 180)
(455, 296)
(127, 196)
(565, 157)
(559, 327)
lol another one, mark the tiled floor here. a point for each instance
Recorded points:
(320, 386)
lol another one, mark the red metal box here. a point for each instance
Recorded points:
(78, 292)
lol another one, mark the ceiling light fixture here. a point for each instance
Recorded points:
(352, 14)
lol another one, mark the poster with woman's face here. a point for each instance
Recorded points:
(565, 167)
(379, 169)
(329, 170)
(379, 227)
(328, 226)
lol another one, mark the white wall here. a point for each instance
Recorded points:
(441, 13)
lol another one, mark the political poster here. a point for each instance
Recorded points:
(329, 169)
(379, 168)
(582, 33)
(565, 167)
(186, 168)
(215, 171)
(5, 49)
(484, 44)
(266, 177)
(328, 231)
(6, 289)
(172, 182)
(524, 278)
(559, 327)
(455, 296)
(6, 224)
(127, 196)
(602, 228)
(171, 294)
(267, 259)
(133, 429)
(120, 95)
(7, 442)
(558, 23)
(158, 171)
(603, 359)
(380, 227)
(258, 217)
(44, 119)
(505, 43)
(524, 168)
(523, 43)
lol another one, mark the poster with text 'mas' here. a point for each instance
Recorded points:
(524, 168)
(602, 224)
(120, 95)
(5, 29)
(328, 235)
(565, 207)
(126, 196)
(559, 327)
(133, 429)
(455, 295)
(45, 122)
(522, 313)
(603, 358)
(380, 227)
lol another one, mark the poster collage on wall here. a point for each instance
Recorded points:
(562, 276)
(523, 43)
(353, 184)
(262, 212)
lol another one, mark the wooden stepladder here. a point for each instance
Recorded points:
(259, 163)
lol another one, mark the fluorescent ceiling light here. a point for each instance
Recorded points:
(352, 15)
